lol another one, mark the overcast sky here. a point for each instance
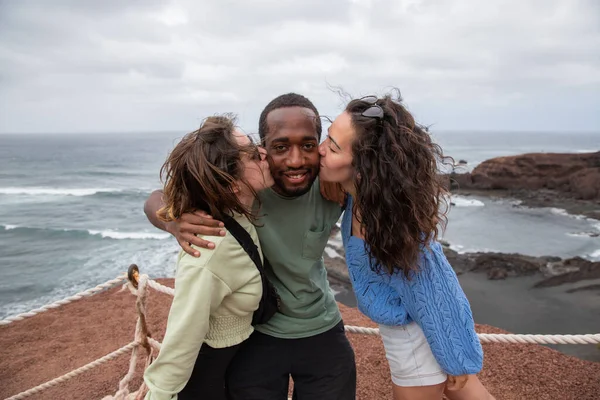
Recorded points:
(114, 65)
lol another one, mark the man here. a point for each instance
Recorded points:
(306, 339)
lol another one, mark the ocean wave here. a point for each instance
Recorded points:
(43, 191)
(460, 249)
(460, 201)
(128, 235)
(103, 234)
(595, 224)
(582, 234)
(564, 213)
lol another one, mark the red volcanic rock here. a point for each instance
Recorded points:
(576, 175)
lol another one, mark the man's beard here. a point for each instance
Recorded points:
(294, 191)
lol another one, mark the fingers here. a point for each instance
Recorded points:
(191, 230)
(199, 242)
(190, 225)
(188, 249)
(200, 218)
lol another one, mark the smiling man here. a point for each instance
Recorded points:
(306, 338)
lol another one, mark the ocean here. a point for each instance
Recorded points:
(71, 210)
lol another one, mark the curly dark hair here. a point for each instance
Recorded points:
(400, 200)
(284, 101)
(201, 172)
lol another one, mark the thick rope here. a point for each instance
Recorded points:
(56, 304)
(141, 336)
(483, 337)
(540, 339)
(74, 373)
(507, 338)
(161, 288)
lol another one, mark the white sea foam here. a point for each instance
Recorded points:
(564, 213)
(9, 227)
(580, 234)
(460, 249)
(332, 253)
(457, 248)
(38, 191)
(460, 201)
(128, 235)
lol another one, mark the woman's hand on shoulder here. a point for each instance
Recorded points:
(189, 225)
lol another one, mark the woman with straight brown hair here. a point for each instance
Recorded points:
(216, 169)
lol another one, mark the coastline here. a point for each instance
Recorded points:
(55, 342)
(521, 293)
(538, 199)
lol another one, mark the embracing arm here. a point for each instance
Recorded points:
(185, 228)
(198, 293)
(436, 302)
(151, 206)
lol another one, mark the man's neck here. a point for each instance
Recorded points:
(281, 193)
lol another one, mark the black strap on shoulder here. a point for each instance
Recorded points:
(245, 240)
(270, 302)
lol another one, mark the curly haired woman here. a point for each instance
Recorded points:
(388, 165)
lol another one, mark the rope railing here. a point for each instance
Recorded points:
(70, 299)
(483, 337)
(138, 284)
(74, 373)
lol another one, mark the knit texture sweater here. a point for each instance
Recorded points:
(432, 297)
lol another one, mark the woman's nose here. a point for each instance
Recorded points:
(263, 153)
(322, 149)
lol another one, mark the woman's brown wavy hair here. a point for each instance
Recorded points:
(202, 171)
(400, 201)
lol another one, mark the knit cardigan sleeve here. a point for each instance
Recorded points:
(436, 302)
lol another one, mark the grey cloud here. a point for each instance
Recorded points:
(168, 62)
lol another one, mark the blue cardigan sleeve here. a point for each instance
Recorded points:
(436, 302)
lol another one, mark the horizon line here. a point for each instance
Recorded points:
(183, 131)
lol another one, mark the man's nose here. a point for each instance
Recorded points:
(294, 159)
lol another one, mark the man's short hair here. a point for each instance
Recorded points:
(285, 101)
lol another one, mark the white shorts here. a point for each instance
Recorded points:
(410, 358)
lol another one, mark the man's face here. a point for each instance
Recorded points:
(292, 147)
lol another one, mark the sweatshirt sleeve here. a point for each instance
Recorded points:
(198, 292)
(436, 302)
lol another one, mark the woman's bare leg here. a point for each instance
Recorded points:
(473, 390)
(433, 392)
